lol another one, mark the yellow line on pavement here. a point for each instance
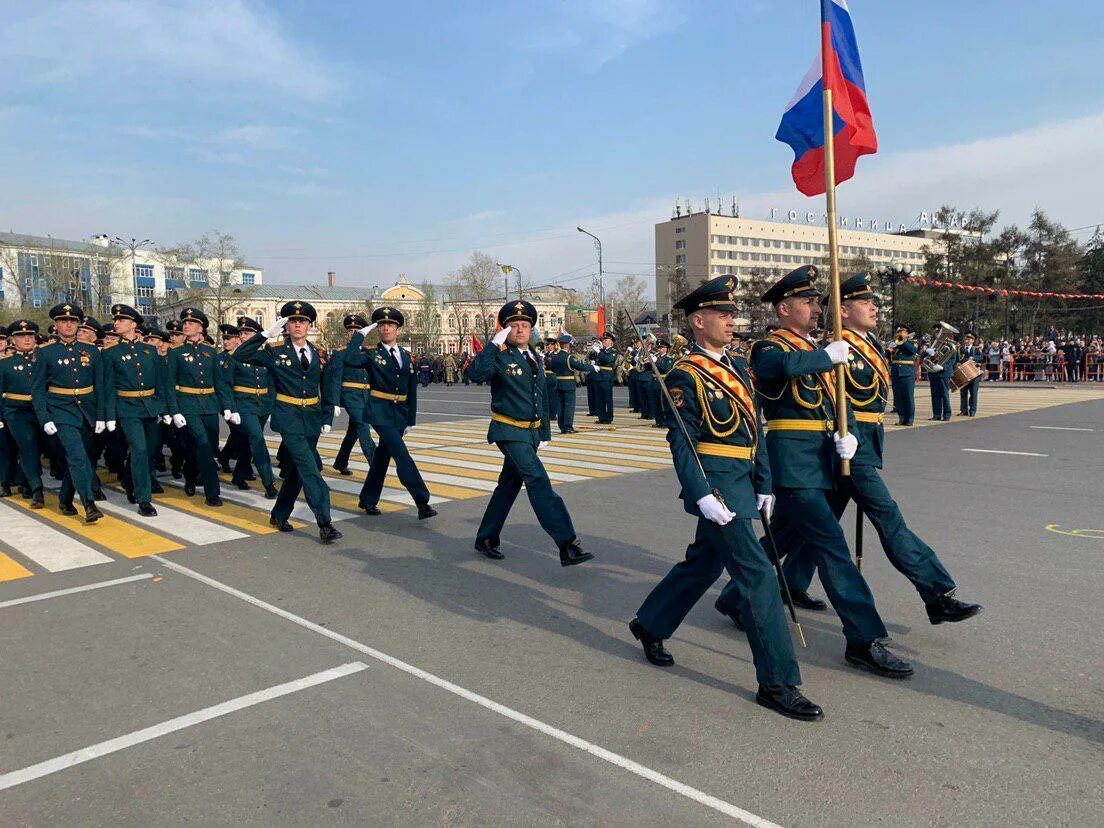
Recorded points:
(229, 513)
(11, 570)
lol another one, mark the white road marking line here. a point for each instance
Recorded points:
(53, 550)
(719, 805)
(257, 501)
(77, 757)
(998, 451)
(192, 529)
(562, 461)
(42, 596)
(1062, 428)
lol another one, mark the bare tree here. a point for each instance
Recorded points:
(426, 323)
(209, 264)
(629, 295)
(478, 283)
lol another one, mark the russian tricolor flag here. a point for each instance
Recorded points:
(802, 124)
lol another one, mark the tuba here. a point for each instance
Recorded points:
(678, 345)
(943, 347)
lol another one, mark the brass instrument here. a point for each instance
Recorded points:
(943, 348)
(903, 337)
(678, 346)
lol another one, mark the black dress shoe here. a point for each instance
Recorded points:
(806, 601)
(327, 533)
(934, 419)
(156, 488)
(6, 490)
(213, 501)
(426, 511)
(572, 431)
(146, 509)
(177, 474)
(732, 615)
(270, 492)
(489, 548)
(91, 513)
(282, 525)
(189, 489)
(37, 500)
(878, 660)
(949, 608)
(787, 700)
(372, 509)
(654, 650)
(343, 470)
(25, 492)
(571, 553)
(225, 468)
(67, 509)
(241, 484)
(131, 498)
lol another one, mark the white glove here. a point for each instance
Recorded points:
(110, 425)
(846, 446)
(594, 368)
(838, 351)
(595, 347)
(179, 421)
(500, 337)
(326, 429)
(274, 329)
(235, 418)
(166, 419)
(542, 444)
(367, 329)
(50, 428)
(226, 414)
(1, 423)
(935, 370)
(100, 427)
(712, 509)
(765, 505)
(406, 430)
(337, 410)
(929, 351)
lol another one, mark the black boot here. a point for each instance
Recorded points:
(282, 525)
(67, 509)
(189, 489)
(735, 618)
(37, 500)
(875, 658)
(489, 548)
(146, 509)
(571, 553)
(949, 608)
(804, 600)
(6, 490)
(213, 501)
(270, 492)
(344, 470)
(787, 700)
(372, 510)
(426, 511)
(156, 488)
(130, 496)
(241, 484)
(327, 533)
(654, 650)
(91, 513)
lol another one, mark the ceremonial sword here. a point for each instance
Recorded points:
(716, 492)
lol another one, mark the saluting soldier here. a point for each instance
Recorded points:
(563, 363)
(605, 360)
(64, 388)
(797, 393)
(392, 409)
(939, 379)
(663, 364)
(233, 448)
(298, 414)
(551, 384)
(351, 388)
(867, 381)
(715, 400)
(968, 394)
(192, 396)
(520, 426)
(16, 407)
(902, 357)
(250, 395)
(134, 402)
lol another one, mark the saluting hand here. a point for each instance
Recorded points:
(500, 337)
(274, 329)
(367, 329)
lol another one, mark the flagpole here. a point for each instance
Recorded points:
(833, 249)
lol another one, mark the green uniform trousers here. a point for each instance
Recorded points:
(521, 465)
(302, 473)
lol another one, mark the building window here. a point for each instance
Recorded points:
(197, 276)
(680, 259)
(680, 244)
(143, 271)
(174, 278)
(249, 278)
(680, 230)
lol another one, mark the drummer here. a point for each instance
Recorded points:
(967, 376)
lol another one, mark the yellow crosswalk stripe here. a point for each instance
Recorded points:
(11, 570)
(230, 514)
(458, 454)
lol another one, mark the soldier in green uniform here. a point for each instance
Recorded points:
(351, 388)
(631, 376)
(939, 379)
(902, 368)
(134, 402)
(605, 360)
(192, 395)
(551, 384)
(797, 395)
(249, 394)
(644, 380)
(968, 394)
(232, 449)
(663, 364)
(563, 363)
(298, 414)
(16, 408)
(520, 426)
(725, 480)
(867, 379)
(392, 408)
(65, 388)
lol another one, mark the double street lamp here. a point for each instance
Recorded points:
(892, 274)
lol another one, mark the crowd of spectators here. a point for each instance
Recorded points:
(1045, 358)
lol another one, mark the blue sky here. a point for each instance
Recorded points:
(374, 139)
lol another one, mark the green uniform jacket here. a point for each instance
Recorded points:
(238, 375)
(76, 365)
(133, 366)
(353, 400)
(867, 394)
(517, 394)
(711, 417)
(562, 364)
(15, 382)
(386, 376)
(789, 389)
(606, 361)
(192, 365)
(290, 380)
(902, 359)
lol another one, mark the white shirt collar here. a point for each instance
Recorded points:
(713, 354)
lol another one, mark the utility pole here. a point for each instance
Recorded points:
(598, 244)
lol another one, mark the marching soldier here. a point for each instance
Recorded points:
(563, 363)
(133, 391)
(968, 394)
(352, 389)
(939, 379)
(797, 395)
(605, 360)
(392, 409)
(722, 466)
(250, 395)
(298, 414)
(232, 448)
(16, 407)
(90, 332)
(663, 365)
(643, 373)
(867, 378)
(631, 376)
(520, 426)
(64, 389)
(551, 384)
(191, 391)
(902, 356)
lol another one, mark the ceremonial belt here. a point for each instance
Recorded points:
(185, 389)
(245, 389)
(70, 392)
(383, 395)
(722, 450)
(302, 403)
(568, 377)
(363, 386)
(605, 368)
(8, 395)
(148, 392)
(502, 418)
(904, 362)
(801, 425)
(788, 338)
(870, 353)
(869, 417)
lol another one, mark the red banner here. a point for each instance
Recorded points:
(476, 345)
(1004, 293)
(601, 319)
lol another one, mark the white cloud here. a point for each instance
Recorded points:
(597, 31)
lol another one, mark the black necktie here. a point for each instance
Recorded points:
(532, 362)
(304, 363)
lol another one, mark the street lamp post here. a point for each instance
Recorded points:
(506, 271)
(598, 244)
(133, 246)
(893, 274)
